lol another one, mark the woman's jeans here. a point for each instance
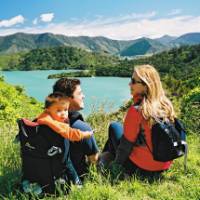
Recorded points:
(115, 133)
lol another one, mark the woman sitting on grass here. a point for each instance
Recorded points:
(150, 105)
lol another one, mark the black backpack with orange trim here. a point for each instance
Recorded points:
(42, 152)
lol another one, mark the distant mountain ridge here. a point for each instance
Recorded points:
(190, 39)
(25, 42)
(165, 39)
(143, 46)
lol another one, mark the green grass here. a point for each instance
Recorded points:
(175, 184)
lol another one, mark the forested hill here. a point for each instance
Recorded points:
(23, 42)
(56, 58)
(179, 68)
(178, 63)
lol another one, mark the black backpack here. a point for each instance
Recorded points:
(168, 141)
(42, 152)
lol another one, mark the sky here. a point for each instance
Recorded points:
(115, 19)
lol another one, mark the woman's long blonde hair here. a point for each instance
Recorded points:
(155, 104)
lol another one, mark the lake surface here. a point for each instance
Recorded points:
(110, 91)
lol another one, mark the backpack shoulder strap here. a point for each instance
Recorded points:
(141, 136)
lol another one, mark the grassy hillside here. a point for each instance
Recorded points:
(175, 184)
(14, 103)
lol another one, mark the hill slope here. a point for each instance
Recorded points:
(25, 42)
(187, 39)
(175, 183)
(166, 39)
(143, 46)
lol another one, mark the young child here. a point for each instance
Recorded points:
(55, 116)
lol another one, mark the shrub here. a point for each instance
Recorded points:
(190, 110)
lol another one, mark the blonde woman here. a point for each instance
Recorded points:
(150, 104)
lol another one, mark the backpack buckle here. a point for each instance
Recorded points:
(54, 150)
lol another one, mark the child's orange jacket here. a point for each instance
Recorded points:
(60, 127)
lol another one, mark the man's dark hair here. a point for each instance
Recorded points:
(66, 86)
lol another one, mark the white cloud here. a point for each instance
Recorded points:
(125, 27)
(35, 21)
(47, 17)
(174, 12)
(100, 20)
(13, 21)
